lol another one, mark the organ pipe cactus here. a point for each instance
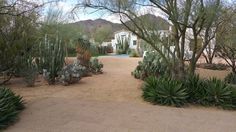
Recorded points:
(52, 58)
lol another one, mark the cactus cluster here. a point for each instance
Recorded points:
(72, 73)
(52, 56)
(95, 66)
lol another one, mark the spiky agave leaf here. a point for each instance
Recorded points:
(10, 106)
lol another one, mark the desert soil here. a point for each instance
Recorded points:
(111, 102)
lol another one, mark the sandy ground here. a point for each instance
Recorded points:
(111, 102)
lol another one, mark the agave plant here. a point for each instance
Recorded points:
(218, 92)
(195, 88)
(164, 91)
(231, 78)
(10, 106)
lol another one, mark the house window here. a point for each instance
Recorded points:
(134, 42)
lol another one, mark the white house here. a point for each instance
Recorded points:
(134, 40)
(124, 34)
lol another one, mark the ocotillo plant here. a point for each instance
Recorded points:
(52, 58)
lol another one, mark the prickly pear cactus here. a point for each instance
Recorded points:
(72, 73)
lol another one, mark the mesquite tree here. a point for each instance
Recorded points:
(195, 16)
(227, 38)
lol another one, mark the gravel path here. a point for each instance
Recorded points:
(111, 102)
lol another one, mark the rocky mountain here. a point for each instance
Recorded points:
(90, 27)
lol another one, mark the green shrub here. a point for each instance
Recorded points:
(95, 66)
(231, 78)
(10, 106)
(152, 65)
(164, 91)
(29, 70)
(133, 53)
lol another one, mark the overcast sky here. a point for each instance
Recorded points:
(85, 14)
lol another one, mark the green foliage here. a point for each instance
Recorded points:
(102, 33)
(133, 53)
(231, 78)
(10, 106)
(52, 55)
(72, 73)
(152, 65)
(164, 91)
(95, 66)
(17, 37)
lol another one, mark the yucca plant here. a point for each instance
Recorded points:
(10, 106)
(164, 91)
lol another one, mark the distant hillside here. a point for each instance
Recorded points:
(89, 27)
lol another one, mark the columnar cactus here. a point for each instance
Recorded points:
(52, 56)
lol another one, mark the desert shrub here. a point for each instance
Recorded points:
(164, 91)
(29, 70)
(133, 53)
(152, 65)
(30, 75)
(231, 78)
(95, 66)
(72, 73)
(213, 66)
(10, 106)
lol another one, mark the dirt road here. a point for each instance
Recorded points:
(111, 102)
